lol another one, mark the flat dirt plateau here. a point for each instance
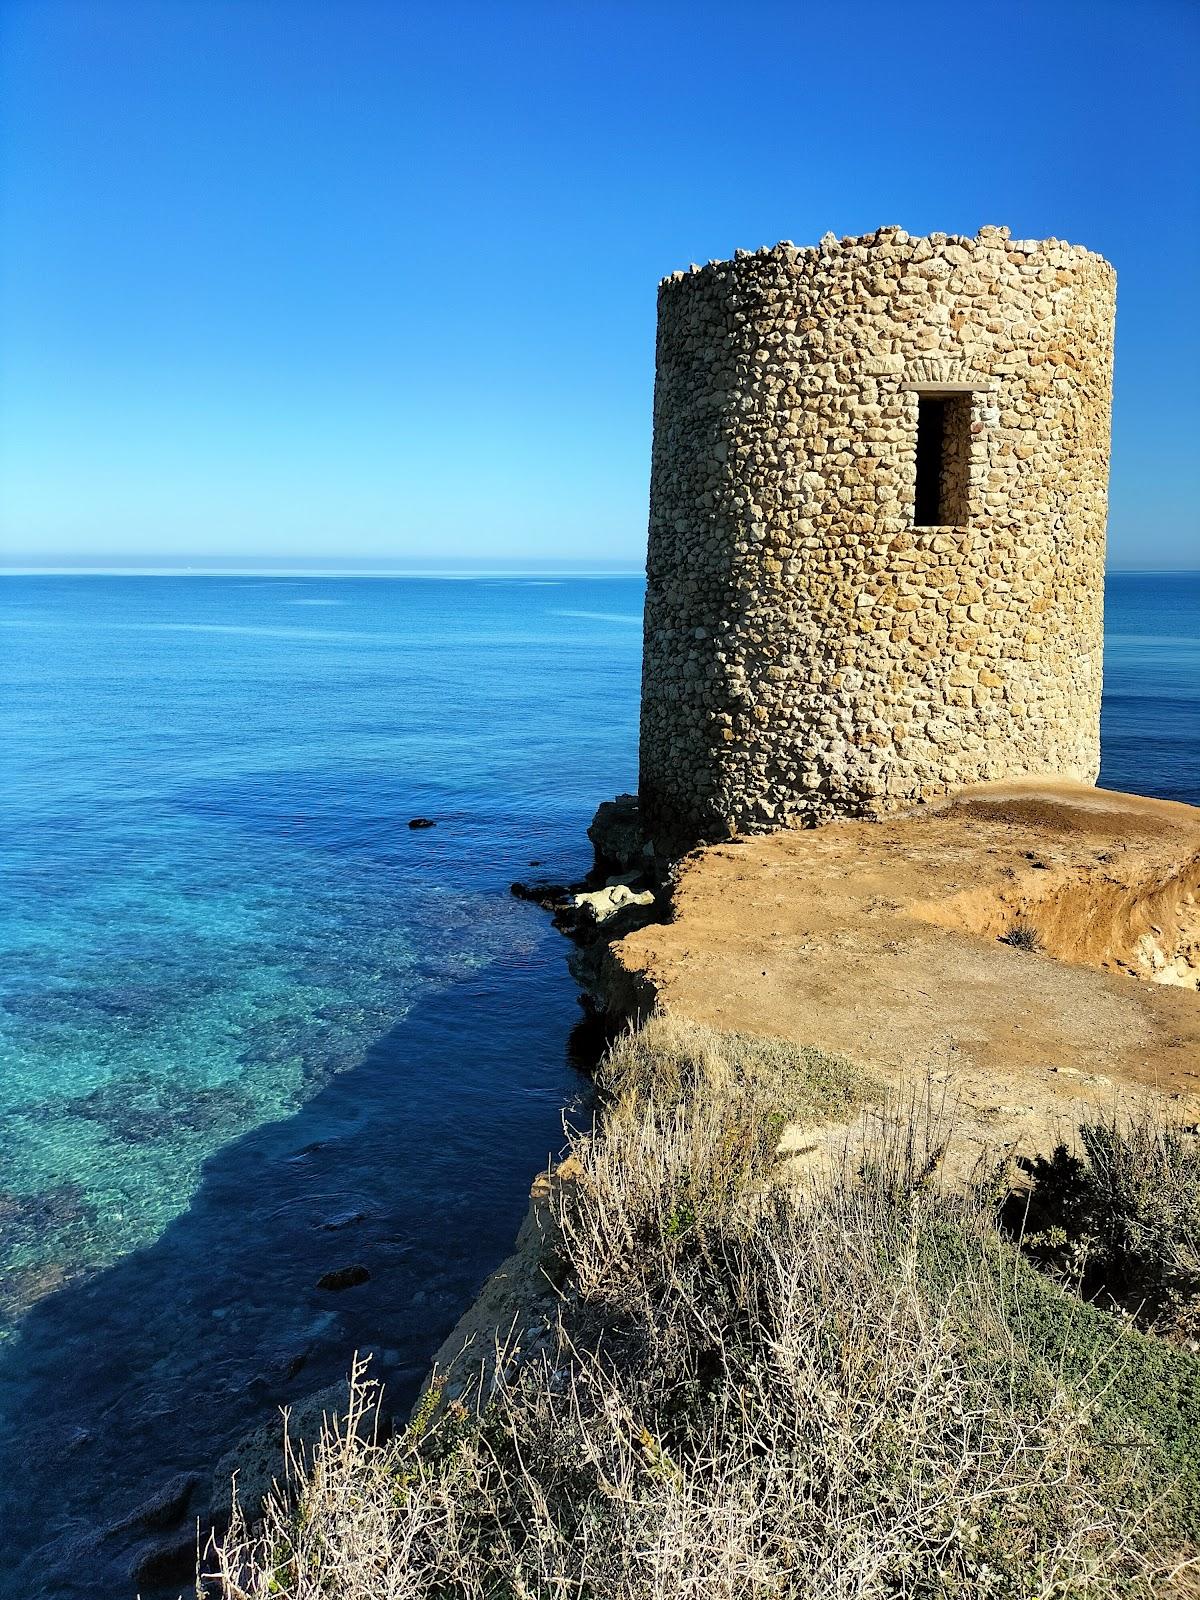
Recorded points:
(898, 946)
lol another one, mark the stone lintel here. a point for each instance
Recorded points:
(920, 386)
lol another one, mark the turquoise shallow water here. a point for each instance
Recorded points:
(253, 1028)
(240, 1000)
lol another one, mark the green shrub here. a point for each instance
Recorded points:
(1121, 1218)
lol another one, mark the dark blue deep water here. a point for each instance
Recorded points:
(240, 1001)
(1150, 720)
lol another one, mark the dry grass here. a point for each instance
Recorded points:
(753, 1394)
(672, 1061)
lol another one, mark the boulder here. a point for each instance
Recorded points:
(599, 905)
(616, 835)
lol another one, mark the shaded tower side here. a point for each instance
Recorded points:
(877, 510)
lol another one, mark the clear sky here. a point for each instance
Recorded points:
(334, 279)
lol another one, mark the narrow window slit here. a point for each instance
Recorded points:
(943, 460)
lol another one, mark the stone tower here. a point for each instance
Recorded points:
(877, 513)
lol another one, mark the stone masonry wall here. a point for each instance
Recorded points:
(809, 652)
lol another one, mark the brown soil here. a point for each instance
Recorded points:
(883, 942)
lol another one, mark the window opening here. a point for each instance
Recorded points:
(943, 455)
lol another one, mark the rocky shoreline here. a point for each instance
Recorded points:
(691, 935)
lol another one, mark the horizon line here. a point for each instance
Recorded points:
(577, 570)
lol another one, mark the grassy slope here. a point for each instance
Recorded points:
(862, 1392)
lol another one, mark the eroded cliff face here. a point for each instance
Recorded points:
(1109, 881)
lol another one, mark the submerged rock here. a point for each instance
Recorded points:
(342, 1219)
(344, 1277)
(23, 1287)
(140, 1108)
(27, 1218)
(164, 1507)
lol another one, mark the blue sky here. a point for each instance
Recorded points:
(377, 280)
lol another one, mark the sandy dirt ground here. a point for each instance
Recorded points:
(885, 943)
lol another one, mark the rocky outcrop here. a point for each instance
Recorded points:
(598, 906)
(165, 1506)
(512, 1320)
(870, 942)
(256, 1462)
(889, 944)
(618, 838)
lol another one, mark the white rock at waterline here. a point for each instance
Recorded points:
(600, 904)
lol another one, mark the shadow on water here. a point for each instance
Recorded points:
(416, 1164)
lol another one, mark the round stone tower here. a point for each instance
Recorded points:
(877, 513)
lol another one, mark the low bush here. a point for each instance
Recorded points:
(763, 1081)
(1120, 1218)
(1022, 936)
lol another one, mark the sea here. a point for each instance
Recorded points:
(254, 1028)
